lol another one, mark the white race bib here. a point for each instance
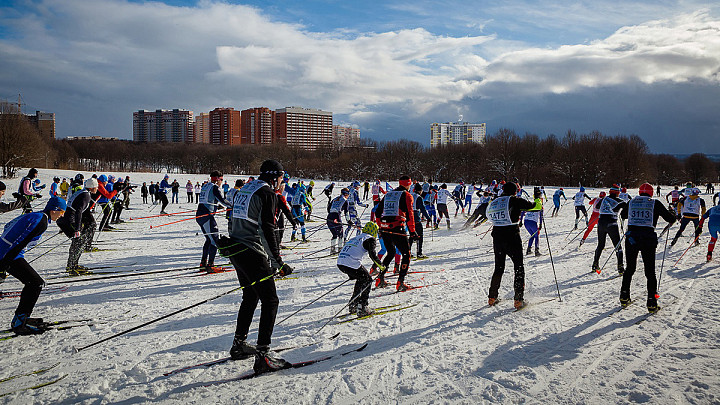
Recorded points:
(607, 206)
(499, 212)
(640, 211)
(579, 198)
(241, 202)
(691, 206)
(391, 207)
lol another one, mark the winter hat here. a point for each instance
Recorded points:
(582, 189)
(91, 183)
(2, 186)
(602, 194)
(32, 172)
(271, 170)
(79, 177)
(509, 188)
(615, 189)
(239, 183)
(695, 191)
(404, 181)
(56, 204)
(110, 178)
(417, 188)
(646, 189)
(102, 178)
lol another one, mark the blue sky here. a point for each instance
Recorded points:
(650, 68)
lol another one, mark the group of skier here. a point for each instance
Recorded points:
(256, 211)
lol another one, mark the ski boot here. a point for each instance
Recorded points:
(305, 240)
(373, 270)
(709, 256)
(241, 350)
(292, 238)
(697, 243)
(652, 305)
(528, 251)
(492, 301)
(674, 241)
(421, 256)
(77, 270)
(363, 311)
(20, 326)
(582, 241)
(163, 212)
(519, 304)
(537, 251)
(211, 268)
(596, 268)
(625, 299)
(401, 286)
(352, 308)
(381, 283)
(91, 249)
(266, 364)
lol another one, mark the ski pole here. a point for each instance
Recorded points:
(43, 242)
(575, 237)
(686, 250)
(486, 232)
(162, 215)
(187, 219)
(611, 254)
(662, 264)
(48, 251)
(171, 314)
(343, 307)
(313, 301)
(547, 239)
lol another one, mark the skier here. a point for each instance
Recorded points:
(395, 213)
(556, 201)
(54, 190)
(478, 216)
(210, 197)
(377, 191)
(78, 224)
(299, 200)
(608, 226)
(350, 262)
(120, 186)
(20, 233)
(64, 188)
(77, 183)
(580, 206)
(533, 224)
(643, 212)
(366, 190)
(353, 201)
(144, 192)
(161, 194)
(713, 226)
(595, 204)
(225, 188)
(198, 190)
(458, 195)
(691, 208)
(152, 189)
(105, 188)
(189, 191)
(126, 192)
(335, 207)
(282, 211)
(251, 244)
(328, 190)
(504, 212)
(429, 201)
(6, 207)
(675, 195)
(175, 188)
(624, 195)
(468, 197)
(26, 192)
(419, 213)
(442, 209)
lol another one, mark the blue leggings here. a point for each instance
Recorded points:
(532, 228)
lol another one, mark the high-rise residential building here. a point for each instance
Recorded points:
(344, 137)
(44, 122)
(163, 126)
(201, 128)
(225, 126)
(456, 133)
(304, 128)
(258, 126)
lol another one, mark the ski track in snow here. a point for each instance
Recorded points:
(448, 348)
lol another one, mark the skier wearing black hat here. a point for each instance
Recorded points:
(504, 212)
(252, 244)
(78, 224)
(26, 192)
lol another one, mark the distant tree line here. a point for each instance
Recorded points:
(593, 159)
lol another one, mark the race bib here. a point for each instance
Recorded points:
(607, 207)
(391, 207)
(241, 202)
(499, 212)
(640, 211)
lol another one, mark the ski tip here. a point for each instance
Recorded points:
(75, 350)
(335, 335)
(361, 348)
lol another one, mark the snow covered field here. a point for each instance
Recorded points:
(447, 348)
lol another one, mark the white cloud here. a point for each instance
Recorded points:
(676, 50)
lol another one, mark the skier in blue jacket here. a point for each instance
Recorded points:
(20, 233)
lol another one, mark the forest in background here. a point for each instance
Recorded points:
(592, 159)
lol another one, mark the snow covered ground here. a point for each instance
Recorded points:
(448, 348)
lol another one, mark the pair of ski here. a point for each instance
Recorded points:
(228, 358)
(411, 288)
(5, 334)
(525, 305)
(643, 317)
(377, 311)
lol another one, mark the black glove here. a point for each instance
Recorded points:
(285, 270)
(225, 246)
(414, 236)
(38, 195)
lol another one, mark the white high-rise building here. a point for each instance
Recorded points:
(452, 133)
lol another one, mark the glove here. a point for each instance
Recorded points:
(224, 245)
(43, 186)
(285, 270)
(38, 195)
(414, 236)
